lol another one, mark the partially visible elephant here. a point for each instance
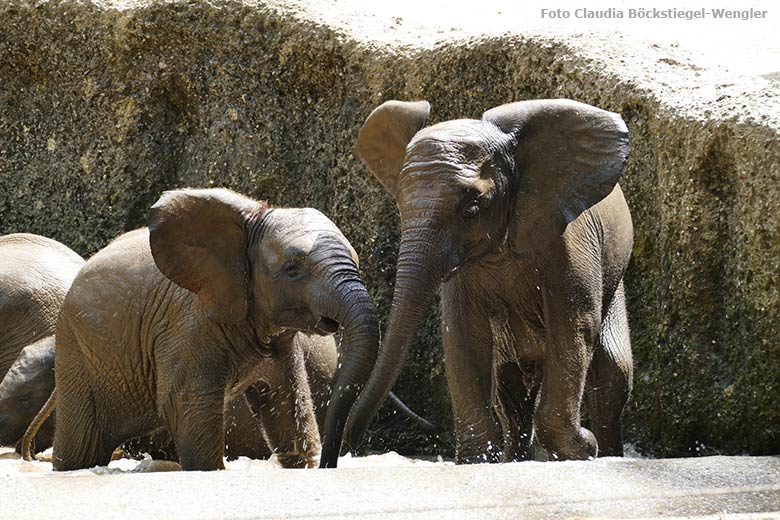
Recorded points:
(23, 392)
(35, 274)
(165, 324)
(518, 220)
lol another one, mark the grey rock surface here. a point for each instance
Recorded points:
(105, 104)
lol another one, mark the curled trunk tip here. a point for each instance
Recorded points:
(355, 310)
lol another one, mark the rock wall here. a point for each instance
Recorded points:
(102, 107)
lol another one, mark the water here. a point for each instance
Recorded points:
(396, 487)
(10, 465)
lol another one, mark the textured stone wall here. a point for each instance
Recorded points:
(103, 108)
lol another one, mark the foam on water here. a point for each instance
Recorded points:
(10, 465)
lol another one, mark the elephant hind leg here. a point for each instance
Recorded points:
(285, 411)
(609, 380)
(80, 436)
(243, 435)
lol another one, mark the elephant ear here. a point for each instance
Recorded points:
(197, 240)
(568, 156)
(382, 142)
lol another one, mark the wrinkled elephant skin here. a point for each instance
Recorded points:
(518, 221)
(166, 323)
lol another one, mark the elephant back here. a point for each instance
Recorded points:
(35, 275)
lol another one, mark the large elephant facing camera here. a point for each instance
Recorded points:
(165, 324)
(518, 220)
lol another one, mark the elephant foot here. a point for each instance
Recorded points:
(581, 446)
(479, 454)
(610, 439)
(482, 458)
(156, 466)
(12, 455)
(291, 461)
(297, 460)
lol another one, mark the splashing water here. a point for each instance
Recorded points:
(9, 464)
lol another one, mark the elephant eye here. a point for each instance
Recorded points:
(292, 270)
(471, 210)
(24, 400)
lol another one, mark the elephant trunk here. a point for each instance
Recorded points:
(417, 278)
(353, 308)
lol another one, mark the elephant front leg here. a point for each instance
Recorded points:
(195, 418)
(285, 409)
(468, 359)
(557, 417)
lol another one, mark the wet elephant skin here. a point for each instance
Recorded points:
(517, 220)
(165, 324)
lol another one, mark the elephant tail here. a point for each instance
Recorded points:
(424, 424)
(35, 425)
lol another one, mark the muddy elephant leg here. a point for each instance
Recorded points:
(609, 378)
(80, 438)
(80, 441)
(515, 404)
(468, 359)
(194, 416)
(284, 407)
(243, 435)
(570, 343)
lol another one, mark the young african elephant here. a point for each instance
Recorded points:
(166, 323)
(24, 390)
(518, 219)
(35, 274)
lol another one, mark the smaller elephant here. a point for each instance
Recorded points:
(164, 325)
(35, 274)
(23, 392)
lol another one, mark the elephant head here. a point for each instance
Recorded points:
(25, 388)
(275, 269)
(467, 189)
